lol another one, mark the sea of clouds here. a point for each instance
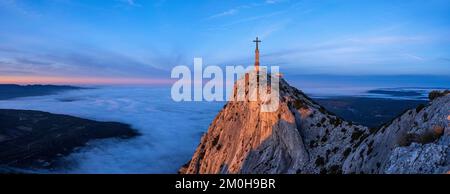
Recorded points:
(170, 130)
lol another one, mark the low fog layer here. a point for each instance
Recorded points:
(170, 130)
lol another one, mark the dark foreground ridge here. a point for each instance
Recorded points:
(36, 139)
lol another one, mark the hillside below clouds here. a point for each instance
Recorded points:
(303, 137)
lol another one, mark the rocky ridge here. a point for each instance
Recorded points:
(303, 137)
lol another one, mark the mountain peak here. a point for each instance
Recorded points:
(303, 137)
(300, 136)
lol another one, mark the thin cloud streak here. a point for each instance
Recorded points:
(237, 9)
(82, 80)
(131, 3)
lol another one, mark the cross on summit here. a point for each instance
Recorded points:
(257, 41)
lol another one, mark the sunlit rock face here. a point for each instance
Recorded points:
(299, 137)
(303, 137)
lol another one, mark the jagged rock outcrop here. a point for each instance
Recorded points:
(303, 137)
(415, 142)
(419, 159)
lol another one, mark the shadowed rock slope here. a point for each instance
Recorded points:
(415, 142)
(303, 137)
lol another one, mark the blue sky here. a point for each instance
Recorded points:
(143, 39)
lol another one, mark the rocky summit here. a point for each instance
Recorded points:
(301, 136)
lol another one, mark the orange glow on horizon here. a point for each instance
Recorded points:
(80, 80)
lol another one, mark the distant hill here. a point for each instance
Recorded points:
(9, 91)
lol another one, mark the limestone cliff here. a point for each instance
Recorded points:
(303, 137)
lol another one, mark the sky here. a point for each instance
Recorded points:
(140, 41)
